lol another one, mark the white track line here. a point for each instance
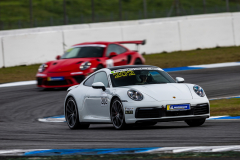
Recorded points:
(22, 83)
(218, 65)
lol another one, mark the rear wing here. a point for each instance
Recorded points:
(132, 42)
(143, 42)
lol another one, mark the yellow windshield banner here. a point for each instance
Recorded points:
(123, 74)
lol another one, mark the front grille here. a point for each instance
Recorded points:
(201, 109)
(179, 113)
(56, 83)
(79, 78)
(39, 81)
(148, 113)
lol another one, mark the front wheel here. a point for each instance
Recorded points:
(117, 114)
(72, 117)
(195, 122)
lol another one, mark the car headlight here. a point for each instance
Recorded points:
(135, 95)
(85, 65)
(42, 67)
(199, 91)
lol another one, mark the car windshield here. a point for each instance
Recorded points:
(139, 76)
(84, 52)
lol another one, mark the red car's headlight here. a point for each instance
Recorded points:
(42, 67)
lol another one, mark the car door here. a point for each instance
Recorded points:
(120, 59)
(96, 103)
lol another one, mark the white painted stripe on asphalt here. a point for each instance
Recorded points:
(52, 119)
(224, 149)
(195, 149)
(18, 151)
(218, 65)
(22, 83)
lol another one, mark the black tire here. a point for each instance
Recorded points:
(195, 122)
(138, 62)
(72, 116)
(117, 114)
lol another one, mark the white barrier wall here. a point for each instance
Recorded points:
(236, 27)
(160, 36)
(206, 33)
(32, 48)
(38, 45)
(92, 35)
(1, 54)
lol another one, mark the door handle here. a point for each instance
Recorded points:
(123, 59)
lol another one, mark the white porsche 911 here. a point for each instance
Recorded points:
(137, 94)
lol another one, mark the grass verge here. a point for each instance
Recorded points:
(163, 60)
(19, 73)
(194, 57)
(225, 107)
(192, 155)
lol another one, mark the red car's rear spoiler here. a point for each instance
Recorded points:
(132, 42)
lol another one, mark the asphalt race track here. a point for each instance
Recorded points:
(20, 107)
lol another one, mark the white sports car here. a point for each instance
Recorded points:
(137, 94)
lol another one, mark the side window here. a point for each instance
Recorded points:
(89, 81)
(101, 77)
(115, 48)
(121, 49)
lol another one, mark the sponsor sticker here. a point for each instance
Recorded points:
(55, 78)
(128, 110)
(133, 69)
(179, 107)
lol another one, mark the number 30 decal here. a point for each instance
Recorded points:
(104, 101)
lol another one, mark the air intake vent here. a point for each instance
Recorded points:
(148, 113)
(79, 62)
(201, 109)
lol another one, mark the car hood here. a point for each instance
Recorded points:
(65, 65)
(166, 91)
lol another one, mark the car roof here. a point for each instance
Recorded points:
(131, 66)
(100, 42)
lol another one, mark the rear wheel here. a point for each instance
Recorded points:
(72, 116)
(117, 114)
(138, 62)
(195, 122)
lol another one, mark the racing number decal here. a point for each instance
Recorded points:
(104, 101)
(123, 74)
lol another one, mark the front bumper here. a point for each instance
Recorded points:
(157, 111)
(68, 80)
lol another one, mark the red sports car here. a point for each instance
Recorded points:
(83, 59)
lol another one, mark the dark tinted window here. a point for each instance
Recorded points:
(89, 81)
(115, 48)
(83, 52)
(140, 77)
(101, 77)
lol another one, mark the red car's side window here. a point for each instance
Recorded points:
(115, 48)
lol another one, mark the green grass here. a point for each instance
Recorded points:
(19, 73)
(163, 60)
(194, 57)
(225, 107)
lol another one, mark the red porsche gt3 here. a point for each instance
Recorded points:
(83, 59)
